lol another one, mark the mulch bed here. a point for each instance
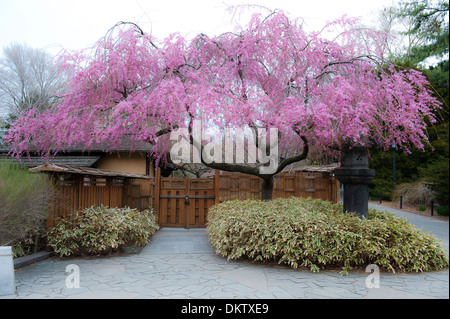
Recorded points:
(411, 209)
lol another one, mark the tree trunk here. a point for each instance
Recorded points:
(267, 188)
(267, 184)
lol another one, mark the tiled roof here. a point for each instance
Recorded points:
(84, 171)
(316, 168)
(85, 161)
(126, 144)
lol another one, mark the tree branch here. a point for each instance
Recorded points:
(161, 133)
(294, 159)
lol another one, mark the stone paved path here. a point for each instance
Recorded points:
(180, 263)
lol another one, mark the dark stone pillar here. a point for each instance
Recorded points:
(355, 174)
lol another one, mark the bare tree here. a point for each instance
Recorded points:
(402, 24)
(29, 79)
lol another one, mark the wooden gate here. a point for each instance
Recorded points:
(184, 202)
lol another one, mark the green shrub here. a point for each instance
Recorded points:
(442, 210)
(437, 179)
(383, 186)
(316, 234)
(101, 230)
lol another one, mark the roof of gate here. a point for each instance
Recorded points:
(33, 161)
(85, 171)
(316, 168)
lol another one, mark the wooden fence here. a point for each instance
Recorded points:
(181, 202)
(319, 184)
(76, 192)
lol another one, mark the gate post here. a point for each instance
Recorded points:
(157, 191)
(187, 209)
(217, 187)
(297, 184)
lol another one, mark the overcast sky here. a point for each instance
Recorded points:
(73, 25)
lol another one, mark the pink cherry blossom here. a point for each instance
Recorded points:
(331, 89)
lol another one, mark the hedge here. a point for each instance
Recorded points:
(101, 230)
(316, 234)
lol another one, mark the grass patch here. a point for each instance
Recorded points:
(24, 199)
(316, 234)
(442, 210)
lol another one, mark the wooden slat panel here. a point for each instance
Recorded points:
(83, 191)
(201, 210)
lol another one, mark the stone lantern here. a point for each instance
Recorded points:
(356, 176)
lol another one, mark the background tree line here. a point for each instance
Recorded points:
(420, 41)
(29, 79)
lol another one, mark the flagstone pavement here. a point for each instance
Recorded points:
(180, 263)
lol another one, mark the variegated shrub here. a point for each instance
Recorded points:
(101, 230)
(316, 234)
